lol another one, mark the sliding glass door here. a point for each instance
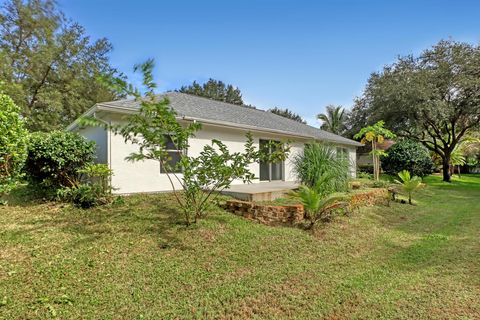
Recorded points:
(270, 171)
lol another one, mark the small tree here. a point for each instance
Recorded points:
(202, 177)
(13, 144)
(409, 184)
(375, 134)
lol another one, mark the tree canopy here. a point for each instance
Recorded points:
(216, 90)
(333, 120)
(433, 98)
(49, 65)
(287, 114)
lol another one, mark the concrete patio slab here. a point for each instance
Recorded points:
(261, 191)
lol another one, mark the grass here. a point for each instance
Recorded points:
(136, 260)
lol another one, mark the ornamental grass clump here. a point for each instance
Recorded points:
(319, 161)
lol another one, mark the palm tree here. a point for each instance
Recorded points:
(333, 120)
(408, 183)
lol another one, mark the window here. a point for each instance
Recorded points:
(270, 171)
(173, 157)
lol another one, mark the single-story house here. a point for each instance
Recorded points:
(223, 121)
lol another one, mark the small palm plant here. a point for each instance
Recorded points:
(317, 206)
(409, 184)
(319, 199)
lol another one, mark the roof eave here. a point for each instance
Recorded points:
(128, 110)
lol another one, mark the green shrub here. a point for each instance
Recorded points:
(408, 155)
(364, 175)
(94, 189)
(379, 184)
(84, 196)
(366, 168)
(320, 162)
(13, 144)
(99, 174)
(54, 158)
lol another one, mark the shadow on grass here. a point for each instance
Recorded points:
(153, 215)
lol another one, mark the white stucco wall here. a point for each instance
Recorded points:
(145, 176)
(352, 153)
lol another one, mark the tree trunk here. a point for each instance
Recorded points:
(446, 168)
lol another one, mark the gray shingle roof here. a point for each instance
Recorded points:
(191, 106)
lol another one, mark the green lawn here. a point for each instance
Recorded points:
(135, 260)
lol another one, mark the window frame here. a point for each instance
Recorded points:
(179, 152)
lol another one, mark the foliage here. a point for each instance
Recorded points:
(98, 173)
(287, 114)
(216, 90)
(49, 65)
(432, 98)
(409, 184)
(333, 120)
(408, 155)
(319, 161)
(54, 158)
(13, 144)
(317, 203)
(201, 178)
(84, 195)
(93, 190)
(375, 134)
(364, 175)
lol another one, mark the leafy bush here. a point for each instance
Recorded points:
(379, 184)
(364, 175)
(84, 195)
(99, 174)
(408, 155)
(54, 158)
(318, 163)
(13, 144)
(367, 169)
(94, 189)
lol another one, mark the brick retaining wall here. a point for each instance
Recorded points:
(266, 213)
(295, 213)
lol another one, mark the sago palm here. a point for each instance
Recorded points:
(316, 204)
(333, 120)
(409, 184)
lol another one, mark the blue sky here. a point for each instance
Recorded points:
(299, 54)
